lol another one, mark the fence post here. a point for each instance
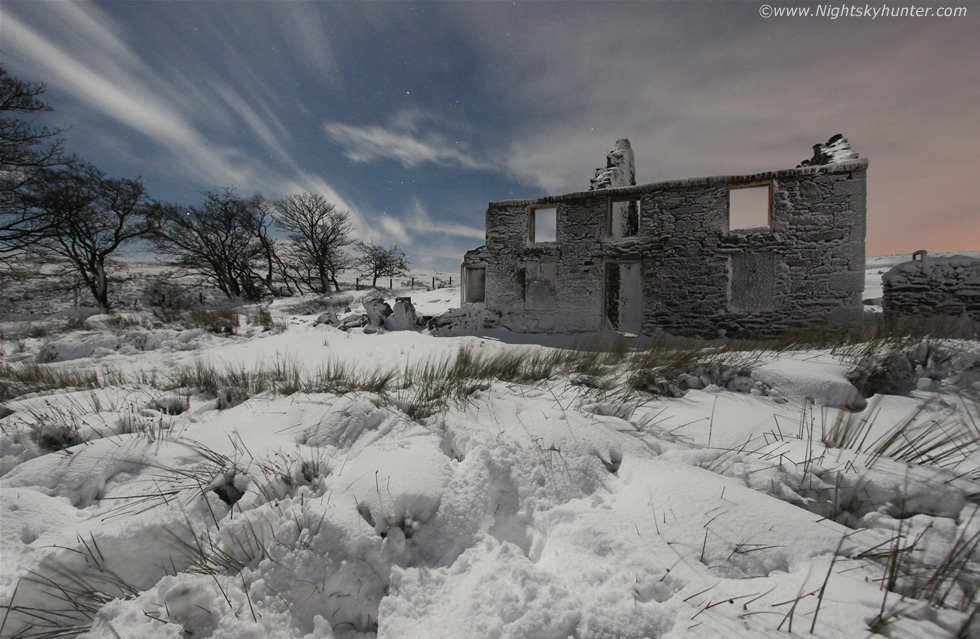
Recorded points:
(390, 283)
(433, 283)
(357, 283)
(413, 283)
(450, 280)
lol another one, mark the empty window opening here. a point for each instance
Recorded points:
(749, 207)
(474, 284)
(624, 297)
(624, 218)
(752, 283)
(544, 224)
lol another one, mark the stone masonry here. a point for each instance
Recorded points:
(933, 286)
(661, 257)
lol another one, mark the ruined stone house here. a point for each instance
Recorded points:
(928, 286)
(679, 256)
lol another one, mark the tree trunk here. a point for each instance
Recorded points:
(269, 272)
(233, 289)
(102, 284)
(324, 280)
(98, 284)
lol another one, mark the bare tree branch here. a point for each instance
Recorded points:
(84, 217)
(26, 150)
(382, 261)
(319, 232)
(220, 240)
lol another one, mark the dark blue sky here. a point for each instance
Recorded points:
(414, 115)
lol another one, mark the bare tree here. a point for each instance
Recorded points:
(83, 217)
(217, 240)
(289, 268)
(320, 232)
(259, 223)
(26, 150)
(382, 261)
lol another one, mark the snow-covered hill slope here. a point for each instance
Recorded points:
(308, 482)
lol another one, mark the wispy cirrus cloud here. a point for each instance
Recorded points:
(105, 71)
(401, 141)
(420, 221)
(128, 93)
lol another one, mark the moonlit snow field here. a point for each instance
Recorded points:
(288, 479)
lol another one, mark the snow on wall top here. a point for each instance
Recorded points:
(933, 265)
(837, 149)
(748, 178)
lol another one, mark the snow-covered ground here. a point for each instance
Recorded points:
(582, 501)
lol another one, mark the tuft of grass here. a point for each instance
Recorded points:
(233, 395)
(29, 377)
(55, 427)
(72, 592)
(169, 404)
(341, 378)
(429, 386)
(224, 321)
(283, 377)
(947, 440)
(262, 317)
(285, 471)
(201, 376)
(135, 422)
(126, 321)
(952, 582)
(671, 366)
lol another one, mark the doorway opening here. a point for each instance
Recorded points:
(474, 284)
(624, 297)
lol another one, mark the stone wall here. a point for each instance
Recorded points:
(931, 286)
(698, 277)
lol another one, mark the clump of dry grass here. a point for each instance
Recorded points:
(283, 377)
(224, 321)
(29, 377)
(946, 440)
(667, 366)
(169, 404)
(951, 582)
(63, 598)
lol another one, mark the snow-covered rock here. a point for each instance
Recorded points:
(327, 317)
(403, 317)
(823, 383)
(376, 308)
